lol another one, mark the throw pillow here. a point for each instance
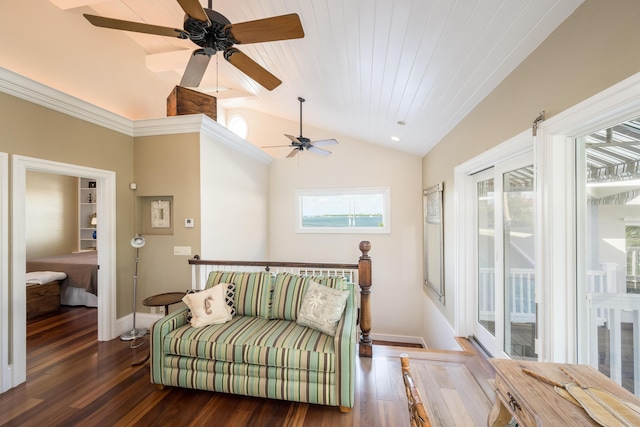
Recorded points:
(322, 308)
(208, 307)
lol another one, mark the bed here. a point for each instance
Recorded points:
(80, 287)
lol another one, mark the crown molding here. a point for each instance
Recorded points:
(37, 93)
(205, 126)
(29, 90)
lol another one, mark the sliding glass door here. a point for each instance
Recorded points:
(609, 251)
(505, 286)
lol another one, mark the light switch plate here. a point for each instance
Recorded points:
(182, 250)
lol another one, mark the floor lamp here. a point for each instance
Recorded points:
(137, 242)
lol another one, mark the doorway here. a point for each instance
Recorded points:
(15, 367)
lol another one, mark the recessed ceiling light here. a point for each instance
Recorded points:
(395, 138)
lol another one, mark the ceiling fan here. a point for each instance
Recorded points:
(301, 143)
(214, 33)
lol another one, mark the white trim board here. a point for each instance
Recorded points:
(5, 368)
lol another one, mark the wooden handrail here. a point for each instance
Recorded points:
(364, 282)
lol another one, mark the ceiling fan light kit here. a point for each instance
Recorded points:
(215, 33)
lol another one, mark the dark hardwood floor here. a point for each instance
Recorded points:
(72, 379)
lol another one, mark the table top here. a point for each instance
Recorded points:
(163, 299)
(540, 399)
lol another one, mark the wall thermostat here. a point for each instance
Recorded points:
(188, 223)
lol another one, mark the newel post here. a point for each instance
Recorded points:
(364, 280)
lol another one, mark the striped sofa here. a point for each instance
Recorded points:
(262, 351)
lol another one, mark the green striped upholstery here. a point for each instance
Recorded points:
(289, 290)
(255, 356)
(285, 344)
(253, 291)
(225, 342)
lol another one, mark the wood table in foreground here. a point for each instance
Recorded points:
(534, 403)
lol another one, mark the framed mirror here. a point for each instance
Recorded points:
(434, 241)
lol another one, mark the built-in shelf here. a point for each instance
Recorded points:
(87, 209)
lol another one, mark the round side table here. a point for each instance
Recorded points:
(165, 300)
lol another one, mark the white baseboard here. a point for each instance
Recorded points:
(399, 339)
(143, 320)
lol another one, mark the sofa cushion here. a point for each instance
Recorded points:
(285, 344)
(252, 291)
(289, 289)
(322, 308)
(209, 306)
(223, 342)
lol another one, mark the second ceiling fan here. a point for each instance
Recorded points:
(214, 33)
(301, 143)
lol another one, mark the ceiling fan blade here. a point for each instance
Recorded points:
(251, 68)
(275, 146)
(196, 67)
(283, 27)
(292, 138)
(194, 9)
(293, 153)
(319, 151)
(323, 142)
(138, 27)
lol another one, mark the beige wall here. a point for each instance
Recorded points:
(592, 50)
(51, 214)
(166, 165)
(397, 265)
(30, 130)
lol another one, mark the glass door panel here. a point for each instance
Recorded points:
(609, 251)
(486, 261)
(519, 264)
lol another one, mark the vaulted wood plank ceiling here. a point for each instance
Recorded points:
(363, 65)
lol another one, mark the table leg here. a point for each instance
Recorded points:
(499, 415)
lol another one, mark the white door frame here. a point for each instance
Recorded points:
(106, 211)
(5, 372)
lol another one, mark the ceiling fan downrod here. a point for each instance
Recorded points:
(301, 101)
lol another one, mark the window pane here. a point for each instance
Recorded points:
(343, 210)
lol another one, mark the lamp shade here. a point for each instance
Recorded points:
(138, 241)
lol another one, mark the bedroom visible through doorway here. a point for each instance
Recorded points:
(15, 340)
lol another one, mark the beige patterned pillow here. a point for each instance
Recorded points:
(208, 307)
(322, 308)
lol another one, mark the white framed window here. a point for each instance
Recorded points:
(238, 125)
(343, 210)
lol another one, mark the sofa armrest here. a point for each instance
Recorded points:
(159, 330)
(345, 347)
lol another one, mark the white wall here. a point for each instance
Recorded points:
(234, 203)
(396, 257)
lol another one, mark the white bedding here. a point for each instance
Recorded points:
(70, 295)
(42, 277)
